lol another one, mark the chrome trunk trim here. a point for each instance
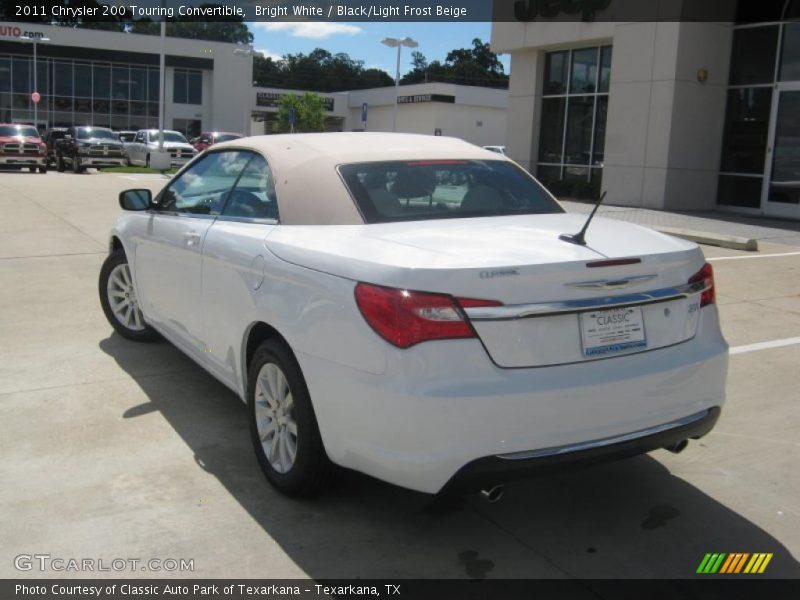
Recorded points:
(523, 311)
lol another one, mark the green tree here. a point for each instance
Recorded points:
(466, 66)
(309, 113)
(318, 70)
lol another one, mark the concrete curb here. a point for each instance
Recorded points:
(722, 240)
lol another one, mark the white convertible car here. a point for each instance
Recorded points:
(409, 307)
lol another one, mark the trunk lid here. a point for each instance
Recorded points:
(544, 283)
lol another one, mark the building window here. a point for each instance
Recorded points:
(79, 92)
(187, 87)
(758, 167)
(573, 125)
(191, 128)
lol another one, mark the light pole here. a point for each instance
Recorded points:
(34, 41)
(247, 52)
(398, 43)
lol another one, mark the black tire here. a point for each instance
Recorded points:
(146, 333)
(147, 161)
(312, 471)
(60, 164)
(76, 165)
(43, 169)
(32, 169)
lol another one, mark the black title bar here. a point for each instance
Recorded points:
(88, 11)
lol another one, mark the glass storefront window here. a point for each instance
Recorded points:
(83, 80)
(580, 120)
(187, 87)
(605, 70)
(138, 84)
(152, 85)
(753, 55)
(5, 74)
(63, 79)
(584, 71)
(552, 130)
(21, 75)
(744, 142)
(573, 123)
(101, 82)
(194, 88)
(85, 92)
(555, 73)
(790, 53)
(600, 130)
(737, 190)
(120, 83)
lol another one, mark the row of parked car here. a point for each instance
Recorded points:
(80, 147)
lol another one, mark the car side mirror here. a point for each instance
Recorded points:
(136, 200)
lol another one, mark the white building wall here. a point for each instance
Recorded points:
(664, 128)
(479, 115)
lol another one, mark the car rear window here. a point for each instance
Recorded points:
(443, 189)
(226, 137)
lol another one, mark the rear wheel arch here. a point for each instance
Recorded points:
(115, 245)
(258, 333)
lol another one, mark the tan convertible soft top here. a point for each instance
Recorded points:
(307, 183)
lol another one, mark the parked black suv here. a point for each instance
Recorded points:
(84, 147)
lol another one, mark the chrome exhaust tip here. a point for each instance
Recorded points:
(493, 494)
(677, 447)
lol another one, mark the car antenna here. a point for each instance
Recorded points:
(580, 237)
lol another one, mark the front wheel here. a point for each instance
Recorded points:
(76, 165)
(60, 164)
(283, 426)
(33, 169)
(120, 302)
(43, 169)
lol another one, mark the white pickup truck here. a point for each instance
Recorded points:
(146, 142)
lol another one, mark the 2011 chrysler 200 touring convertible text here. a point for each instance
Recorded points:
(405, 306)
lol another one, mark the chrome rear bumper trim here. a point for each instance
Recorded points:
(557, 450)
(522, 311)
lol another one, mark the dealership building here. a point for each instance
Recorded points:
(664, 115)
(110, 79)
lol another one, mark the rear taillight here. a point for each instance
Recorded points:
(706, 275)
(405, 318)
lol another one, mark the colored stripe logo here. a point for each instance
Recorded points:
(734, 563)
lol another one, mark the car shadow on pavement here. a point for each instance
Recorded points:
(630, 519)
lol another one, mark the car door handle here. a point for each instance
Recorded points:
(192, 238)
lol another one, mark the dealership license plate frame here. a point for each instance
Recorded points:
(599, 341)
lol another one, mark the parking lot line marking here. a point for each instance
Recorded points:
(754, 256)
(765, 345)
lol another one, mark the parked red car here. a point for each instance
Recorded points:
(209, 138)
(21, 146)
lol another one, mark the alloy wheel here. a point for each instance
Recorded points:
(275, 418)
(122, 298)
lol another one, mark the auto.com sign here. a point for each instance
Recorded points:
(14, 31)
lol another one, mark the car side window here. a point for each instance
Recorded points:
(254, 195)
(203, 188)
(139, 137)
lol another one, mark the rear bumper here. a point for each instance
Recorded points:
(23, 160)
(442, 407)
(494, 470)
(100, 162)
